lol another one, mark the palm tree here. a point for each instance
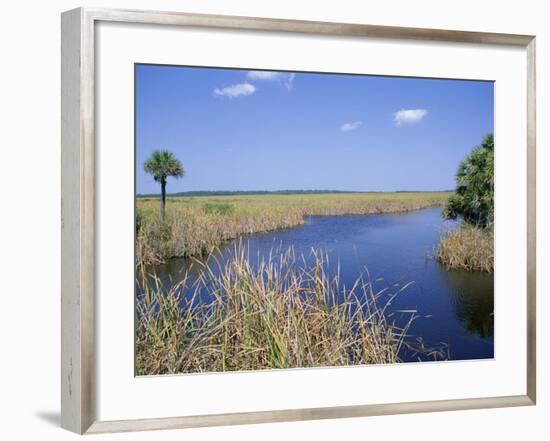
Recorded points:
(162, 164)
(474, 195)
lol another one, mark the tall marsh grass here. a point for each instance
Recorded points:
(279, 313)
(196, 225)
(469, 248)
(195, 231)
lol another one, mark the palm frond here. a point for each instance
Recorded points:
(163, 164)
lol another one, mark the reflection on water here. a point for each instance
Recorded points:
(472, 304)
(455, 307)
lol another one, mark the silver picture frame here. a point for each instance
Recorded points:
(78, 395)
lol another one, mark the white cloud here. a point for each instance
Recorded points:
(263, 75)
(347, 127)
(284, 78)
(243, 89)
(409, 116)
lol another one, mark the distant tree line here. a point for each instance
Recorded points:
(281, 192)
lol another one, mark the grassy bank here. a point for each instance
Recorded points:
(280, 314)
(469, 248)
(195, 225)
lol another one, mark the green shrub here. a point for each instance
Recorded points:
(218, 208)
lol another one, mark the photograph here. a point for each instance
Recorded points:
(289, 219)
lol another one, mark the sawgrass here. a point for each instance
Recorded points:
(469, 248)
(281, 313)
(194, 226)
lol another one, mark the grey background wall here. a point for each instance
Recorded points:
(30, 221)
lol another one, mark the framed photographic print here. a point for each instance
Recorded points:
(304, 220)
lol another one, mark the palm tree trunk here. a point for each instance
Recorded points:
(162, 199)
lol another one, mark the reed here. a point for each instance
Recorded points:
(194, 226)
(469, 248)
(279, 313)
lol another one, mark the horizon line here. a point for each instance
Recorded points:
(290, 191)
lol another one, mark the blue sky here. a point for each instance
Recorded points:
(257, 130)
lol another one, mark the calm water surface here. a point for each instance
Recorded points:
(454, 307)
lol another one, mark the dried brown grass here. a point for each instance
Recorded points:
(194, 226)
(279, 314)
(468, 248)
